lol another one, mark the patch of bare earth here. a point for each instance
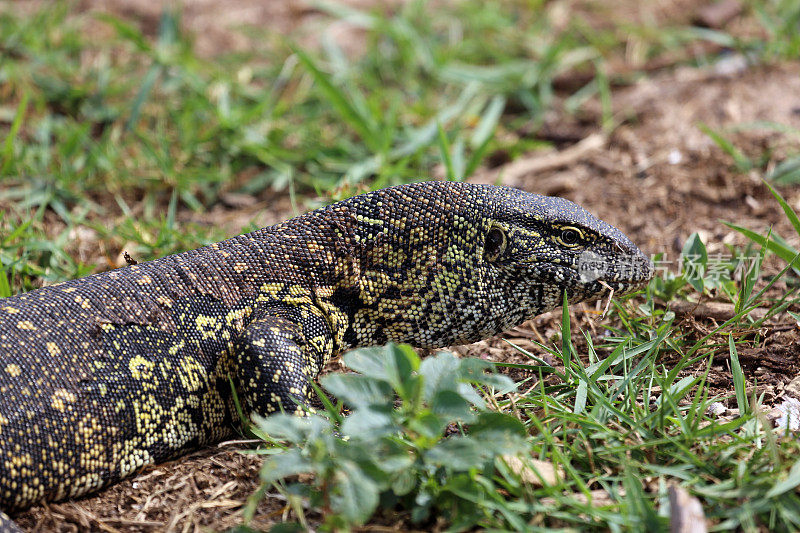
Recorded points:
(657, 177)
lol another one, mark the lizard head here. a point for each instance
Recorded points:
(534, 248)
(445, 263)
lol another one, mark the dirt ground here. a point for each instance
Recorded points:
(657, 177)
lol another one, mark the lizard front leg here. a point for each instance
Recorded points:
(277, 355)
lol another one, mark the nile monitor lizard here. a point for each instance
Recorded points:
(103, 375)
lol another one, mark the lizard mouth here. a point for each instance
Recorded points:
(622, 273)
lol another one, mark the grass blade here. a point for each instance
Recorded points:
(750, 273)
(5, 284)
(338, 99)
(126, 31)
(738, 378)
(444, 149)
(8, 148)
(790, 213)
(484, 131)
(743, 164)
(566, 332)
(144, 91)
(785, 252)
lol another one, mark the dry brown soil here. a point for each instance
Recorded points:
(658, 177)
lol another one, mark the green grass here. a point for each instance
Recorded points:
(116, 137)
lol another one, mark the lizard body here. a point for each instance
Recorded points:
(103, 375)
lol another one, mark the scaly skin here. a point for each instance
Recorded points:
(103, 375)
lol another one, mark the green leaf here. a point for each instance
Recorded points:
(332, 411)
(17, 232)
(357, 390)
(695, 261)
(370, 362)
(402, 363)
(292, 428)
(451, 405)
(419, 138)
(284, 464)
(750, 272)
(483, 372)
(459, 165)
(604, 90)
(404, 482)
(476, 158)
(236, 403)
(370, 423)
(459, 453)
(438, 373)
(427, 424)
(394, 364)
(469, 394)
(494, 422)
(355, 495)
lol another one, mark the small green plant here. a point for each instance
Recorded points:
(705, 273)
(393, 450)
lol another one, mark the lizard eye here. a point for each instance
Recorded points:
(570, 237)
(495, 243)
